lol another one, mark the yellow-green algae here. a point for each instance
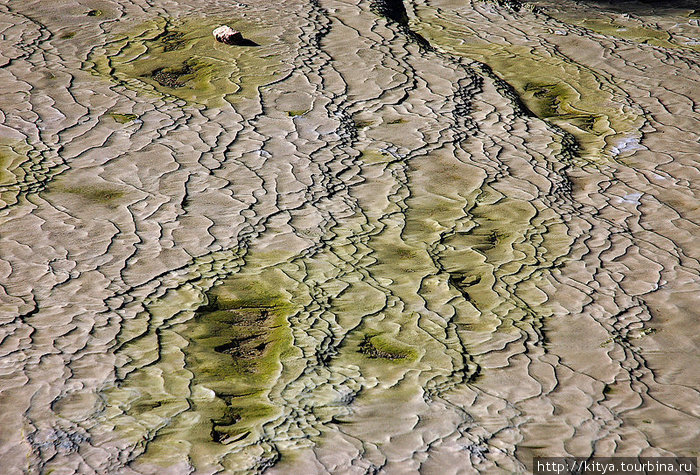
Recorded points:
(361, 124)
(123, 118)
(380, 346)
(213, 374)
(570, 95)
(13, 155)
(199, 367)
(628, 28)
(294, 113)
(640, 34)
(371, 157)
(236, 345)
(180, 58)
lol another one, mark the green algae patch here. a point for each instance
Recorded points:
(123, 118)
(637, 29)
(370, 157)
(552, 87)
(295, 113)
(557, 100)
(12, 155)
(377, 346)
(639, 34)
(237, 342)
(14, 160)
(180, 59)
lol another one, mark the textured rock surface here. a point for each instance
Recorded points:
(431, 237)
(226, 34)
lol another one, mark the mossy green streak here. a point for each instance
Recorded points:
(554, 88)
(123, 118)
(14, 158)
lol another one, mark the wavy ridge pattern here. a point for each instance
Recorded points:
(449, 260)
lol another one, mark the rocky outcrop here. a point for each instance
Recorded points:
(227, 35)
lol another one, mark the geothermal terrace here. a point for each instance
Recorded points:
(430, 236)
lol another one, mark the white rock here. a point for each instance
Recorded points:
(227, 35)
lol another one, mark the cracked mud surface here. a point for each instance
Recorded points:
(425, 237)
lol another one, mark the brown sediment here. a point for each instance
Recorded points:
(435, 237)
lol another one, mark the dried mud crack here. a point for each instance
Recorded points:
(384, 237)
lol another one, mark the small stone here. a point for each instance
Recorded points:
(227, 35)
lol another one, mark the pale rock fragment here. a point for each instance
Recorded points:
(227, 35)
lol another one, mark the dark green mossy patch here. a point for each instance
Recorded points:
(144, 405)
(611, 340)
(585, 122)
(295, 113)
(379, 346)
(94, 13)
(465, 280)
(484, 239)
(494, 237)
(552, 100)
(548, 98)
(123, 118)
(173, 41)
(171, 77)
(235, 341)
(462, 283)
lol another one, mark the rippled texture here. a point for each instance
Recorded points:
(425, 237)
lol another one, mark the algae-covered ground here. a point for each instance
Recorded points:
(180, 58)
(552, 86)
(13, 155)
